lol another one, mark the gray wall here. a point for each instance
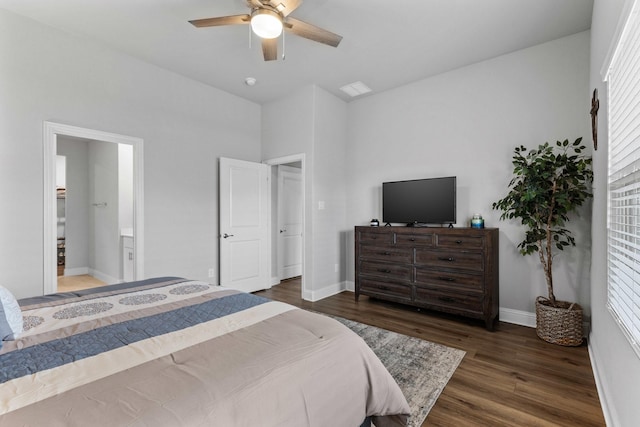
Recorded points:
(466, 123)
(616, 366)
(49, 75)
(316, 126)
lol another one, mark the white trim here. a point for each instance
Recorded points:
(350, 286)
(517, 317)
(610, 417)
(325, 292)
(304, 283)
(51, 130)
(104, 277)
(78, 271)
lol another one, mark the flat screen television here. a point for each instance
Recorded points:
(420, 201)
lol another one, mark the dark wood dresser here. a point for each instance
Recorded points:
(454, 270)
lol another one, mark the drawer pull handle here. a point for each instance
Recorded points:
(385, 253)
(447, 279)
(412, 239)
(384, 270)
(447, 299)
(458, 241)
(449, 259)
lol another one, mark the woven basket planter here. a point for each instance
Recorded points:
(560, 325)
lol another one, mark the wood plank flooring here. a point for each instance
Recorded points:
(507, 378)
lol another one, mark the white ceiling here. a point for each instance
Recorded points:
(386, 43)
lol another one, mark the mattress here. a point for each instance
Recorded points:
(176, 352)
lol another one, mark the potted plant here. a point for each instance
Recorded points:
(549, 183)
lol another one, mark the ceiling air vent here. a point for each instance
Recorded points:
(355, 89)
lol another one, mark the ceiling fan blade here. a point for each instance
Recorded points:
(270, 49)
(311, 32)
(222, 20)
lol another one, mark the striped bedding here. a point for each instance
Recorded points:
(175, 352)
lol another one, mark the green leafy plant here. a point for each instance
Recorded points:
(549, 183)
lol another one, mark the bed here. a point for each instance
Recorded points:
(175, 352)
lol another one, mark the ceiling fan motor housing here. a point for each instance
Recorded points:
(266, 22)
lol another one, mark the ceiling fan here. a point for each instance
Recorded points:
(268, 18)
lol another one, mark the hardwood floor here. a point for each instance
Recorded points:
(75, 283)
(507, 378)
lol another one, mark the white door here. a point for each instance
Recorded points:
(289, 222)
(244, 225)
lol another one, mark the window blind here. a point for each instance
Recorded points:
(623, 234)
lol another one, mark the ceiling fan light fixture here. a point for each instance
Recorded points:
(266, 23)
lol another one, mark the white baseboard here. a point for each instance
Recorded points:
(78, 271)
(275, 281)
(517, 317)
(609, 417)
(525, 318)
(350, 286)
(325, 292)
(104, 277)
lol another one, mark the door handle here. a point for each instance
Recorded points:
(225, 235)
(282, 231)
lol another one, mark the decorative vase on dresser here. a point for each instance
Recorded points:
(453, 270)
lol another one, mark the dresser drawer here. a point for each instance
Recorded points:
(414, 239)
(376, 235)
(452, 270)
(459, 241)
(380, 288)
(387, 253)
(472, 261)
(449, 280)
(388, 270)
(450, 300)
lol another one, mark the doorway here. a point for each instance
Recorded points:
(132, 229)
(288, 218)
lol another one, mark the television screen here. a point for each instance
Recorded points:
(420, 201)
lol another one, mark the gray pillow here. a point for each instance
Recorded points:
(10, 316)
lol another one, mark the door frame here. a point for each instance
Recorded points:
(51, 130)
(291, 159)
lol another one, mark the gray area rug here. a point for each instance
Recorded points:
(421, 368)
